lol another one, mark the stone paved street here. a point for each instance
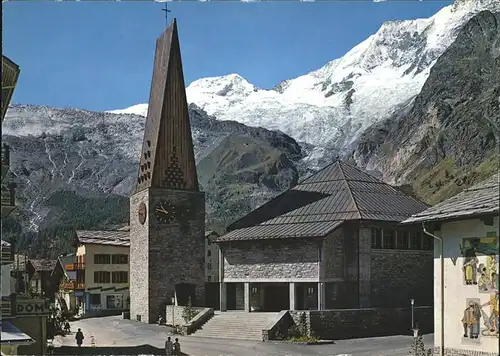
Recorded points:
(112, 335)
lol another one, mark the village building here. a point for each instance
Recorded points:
(100, 283)
(44, 277)
(331, 242)
(23, 318)
(69, 284)
(466, 269)
(11, 336)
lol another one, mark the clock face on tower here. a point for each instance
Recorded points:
(165, 212)
(142, 213)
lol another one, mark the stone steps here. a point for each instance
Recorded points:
(236, 325)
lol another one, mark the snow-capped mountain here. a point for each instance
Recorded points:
(334, 104)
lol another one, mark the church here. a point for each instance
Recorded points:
(167, 209)
(334, 241)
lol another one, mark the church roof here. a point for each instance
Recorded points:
(115, 238)
(481, 199)
(321, 203)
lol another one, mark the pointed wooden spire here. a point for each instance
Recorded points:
(167, 157)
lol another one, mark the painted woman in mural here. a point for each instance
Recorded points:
(470, 260)
(471, 320)
(470, 270)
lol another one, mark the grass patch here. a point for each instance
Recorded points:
(303, 339)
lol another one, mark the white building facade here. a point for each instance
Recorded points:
(468, 226)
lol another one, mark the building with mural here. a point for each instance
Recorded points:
(468, 225)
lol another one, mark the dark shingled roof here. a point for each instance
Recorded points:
(43, 265)
(320, 203)
(480, 199)
(115, 238)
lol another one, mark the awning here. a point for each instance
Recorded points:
(12, 335)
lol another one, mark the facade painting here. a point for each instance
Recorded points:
(480, 270)
(471, 319)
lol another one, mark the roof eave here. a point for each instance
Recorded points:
(450, 218)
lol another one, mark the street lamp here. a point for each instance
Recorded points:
(412, 301)
(440, 239)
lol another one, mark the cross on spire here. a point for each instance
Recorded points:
(166, 13)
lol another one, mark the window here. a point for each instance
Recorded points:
(114, 301)
(416, 240)
(310, 291)
(389, 239)
(95, 299)
(427, 243)
(403, 240)
(209, 253)
(209, 242)
(120, 277)
(210, 278)
(376, 238)
(209, 265)
(119, 259)
(100, 259)
(102, 277)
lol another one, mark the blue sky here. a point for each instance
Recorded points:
(99, 55)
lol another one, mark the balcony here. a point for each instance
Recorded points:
(73, 285)
(78, 266)
(8, 199)
(5, 159)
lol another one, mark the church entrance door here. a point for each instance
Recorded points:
(231, 296)
(276, 297)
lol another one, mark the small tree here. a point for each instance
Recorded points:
(188, 313)
(418, 347)
(303, 324)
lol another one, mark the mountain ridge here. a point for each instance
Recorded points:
(331, 106)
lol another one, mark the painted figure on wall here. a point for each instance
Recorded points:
(471, 320)
(491, 322)
(472, 268)
(470, 260)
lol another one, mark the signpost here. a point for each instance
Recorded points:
(32, 307)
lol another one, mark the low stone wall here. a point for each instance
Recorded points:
(278, 328)
(174, 315)
(371, 322)
(197, 322)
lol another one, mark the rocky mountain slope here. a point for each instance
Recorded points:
(76, 168)
(449, 137)
(330, 107)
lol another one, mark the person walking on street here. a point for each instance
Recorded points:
(177, 347)
(79, 337)
(169, 346)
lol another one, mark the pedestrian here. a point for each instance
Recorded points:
(169, 346)
(79, 337)
(177, 347)
(67, 327)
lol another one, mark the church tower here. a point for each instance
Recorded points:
(167, 210)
